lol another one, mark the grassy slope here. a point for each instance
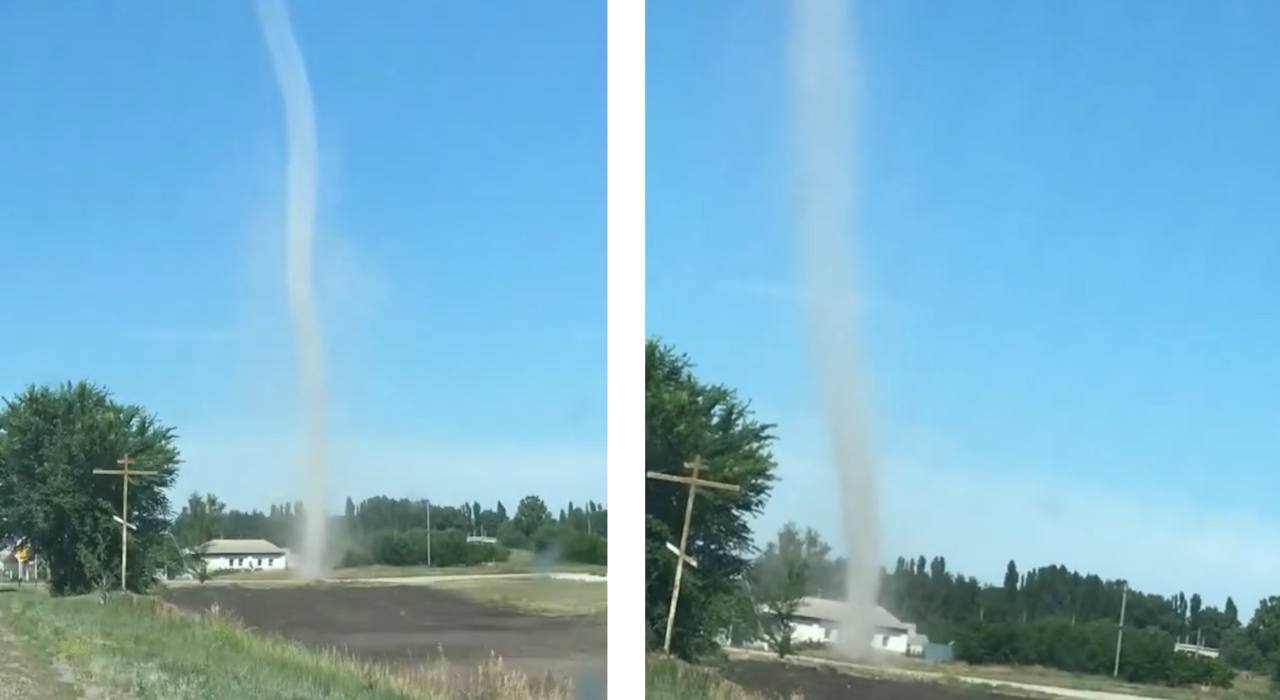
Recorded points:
(669, 679)
(145, 649)
(26, 672)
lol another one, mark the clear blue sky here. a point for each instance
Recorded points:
(460, 238)
(1067, 268)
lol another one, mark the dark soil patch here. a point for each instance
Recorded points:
(408, 625)
(779, 680)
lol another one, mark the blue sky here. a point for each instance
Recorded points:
(1066, 254)
(460, 238)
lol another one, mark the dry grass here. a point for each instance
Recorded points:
(671, 679)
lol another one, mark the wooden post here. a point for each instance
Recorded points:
(124, 475)
(1124, 597)
(693, 482)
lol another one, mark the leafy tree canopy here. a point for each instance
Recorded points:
(531, 514)
(51, 440)
(684, 418)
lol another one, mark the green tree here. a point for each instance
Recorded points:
(530, 515)
(202, 519)
(684, 418)
(1011, 581)
(1264, 630)
(1233, 615)
(781, 577)
(51, 440)
(1239, 651)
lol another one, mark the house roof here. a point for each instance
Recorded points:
(220, 547)
(834, 610)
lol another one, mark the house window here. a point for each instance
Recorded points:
(884, 640)
(259, 561)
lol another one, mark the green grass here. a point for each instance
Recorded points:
(144, 648)
(670, 679)
(538, 596)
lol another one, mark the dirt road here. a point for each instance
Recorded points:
(825, 678)
(777, 680)
(27, 674)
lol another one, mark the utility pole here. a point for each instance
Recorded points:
(428, 532)
(1124, 597)
(693, 482)
(124, 475)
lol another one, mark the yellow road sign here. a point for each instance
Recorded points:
(23, 554)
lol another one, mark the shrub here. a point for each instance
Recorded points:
(484, 553)
(448, 548)
(1148, 655)
(1198, 670)
(510, 536)
(408, 548)
(566, 544)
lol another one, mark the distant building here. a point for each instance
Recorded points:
(818, 620)
(250, 555)
(11, 569)
(480, 539)
(1195, 650)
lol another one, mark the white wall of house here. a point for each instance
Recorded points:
(223, 562)
(813, 631)
(890, 642)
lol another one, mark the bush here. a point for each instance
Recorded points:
(510, 536)
(484, 553)
(1198, 670)
(1147, 657)
(1240, 651)
(566, 544)
(448, 548)
(409, 548)
(393, 548)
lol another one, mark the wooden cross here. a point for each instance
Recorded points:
(124, 475)
(681, 557)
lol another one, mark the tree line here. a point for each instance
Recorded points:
(393, 531)
(1058, 617)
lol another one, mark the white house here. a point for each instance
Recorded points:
(1195, 650)
(221, 555)
(817, 620)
